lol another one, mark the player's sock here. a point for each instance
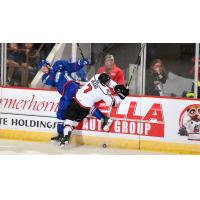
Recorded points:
(97, 113)
(68, 128)
(60, 128)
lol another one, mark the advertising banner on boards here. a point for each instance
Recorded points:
(147, 118)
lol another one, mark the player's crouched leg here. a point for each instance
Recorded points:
(68, 128)
(63, 104)
(106, 121)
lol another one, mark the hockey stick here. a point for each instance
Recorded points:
(137, 63)
(80, 50)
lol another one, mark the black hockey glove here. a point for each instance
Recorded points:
(122, 91)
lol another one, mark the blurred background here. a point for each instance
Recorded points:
(157, 69)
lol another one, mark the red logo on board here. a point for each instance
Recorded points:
(150, 124)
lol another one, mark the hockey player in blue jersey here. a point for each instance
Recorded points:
(59, 75)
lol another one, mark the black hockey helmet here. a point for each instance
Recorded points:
(104, 78)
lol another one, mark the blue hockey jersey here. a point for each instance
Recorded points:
(59, 75)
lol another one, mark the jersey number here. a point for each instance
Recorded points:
(88, 89)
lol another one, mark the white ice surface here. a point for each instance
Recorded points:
(11, 147)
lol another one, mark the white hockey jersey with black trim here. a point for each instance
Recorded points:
(93, 92)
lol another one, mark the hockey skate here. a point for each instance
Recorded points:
(56, 139)
(65, 140)
(106, 123)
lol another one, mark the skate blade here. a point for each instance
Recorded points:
(69, 147)
(64, 146)
(54, 142)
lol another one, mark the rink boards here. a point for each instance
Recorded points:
(141, 122)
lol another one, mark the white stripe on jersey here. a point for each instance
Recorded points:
(94, 92)
(45, 80)
(67, 76)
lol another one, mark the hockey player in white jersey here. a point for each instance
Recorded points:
(97, 89)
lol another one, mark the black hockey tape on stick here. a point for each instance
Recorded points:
(137, 63)
(80, 50)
